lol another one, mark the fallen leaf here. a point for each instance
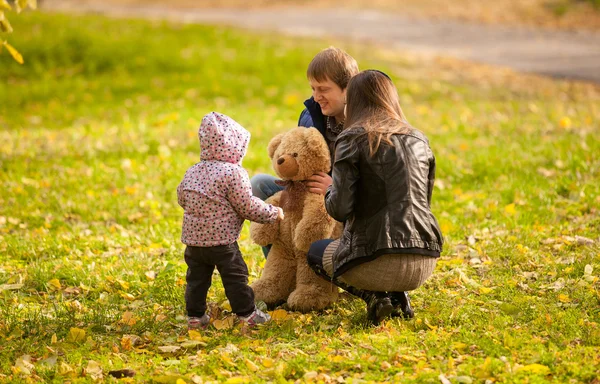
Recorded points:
(55, 284)
(510, 209)
(251, 366)
(192, 343)
(93, 370)
(535, 369)
(279, 314)
(76, 335)
(443, 379)
(49, 361)
(128, 318)
(267, 362)
(169, 348)
(23, 364)
(10, 287)
(226, 323)
(194, 335)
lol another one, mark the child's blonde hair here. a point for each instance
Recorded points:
(332, 64)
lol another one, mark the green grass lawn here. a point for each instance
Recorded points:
(99, 125)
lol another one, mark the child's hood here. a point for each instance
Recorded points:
(222, 139)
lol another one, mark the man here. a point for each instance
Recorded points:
(328, 74)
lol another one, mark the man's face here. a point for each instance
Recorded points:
(329, 96)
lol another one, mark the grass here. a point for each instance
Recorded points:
(99, 125)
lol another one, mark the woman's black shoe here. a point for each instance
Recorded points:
(401, 303)
(379, 308)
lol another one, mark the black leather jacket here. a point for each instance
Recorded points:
(384, 200)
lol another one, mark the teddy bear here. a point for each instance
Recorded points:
(287, 277)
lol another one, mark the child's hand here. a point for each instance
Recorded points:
(280, 215)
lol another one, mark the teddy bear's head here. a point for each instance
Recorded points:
(299, 153)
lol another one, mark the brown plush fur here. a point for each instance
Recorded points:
(296, 155)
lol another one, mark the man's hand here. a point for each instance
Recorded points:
(319, 182)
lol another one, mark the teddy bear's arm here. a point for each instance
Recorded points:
(265, 234)
(315, 224)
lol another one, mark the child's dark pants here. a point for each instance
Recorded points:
(201, 262)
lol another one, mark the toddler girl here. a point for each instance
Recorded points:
(217, 197)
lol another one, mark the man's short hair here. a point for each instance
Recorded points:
(332, 64)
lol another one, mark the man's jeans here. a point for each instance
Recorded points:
(263, 187)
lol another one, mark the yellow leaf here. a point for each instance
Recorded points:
(237, 380)
(226, 323)
(267, 362)
(446, 227)
(510, 209)
(459, 346)
(14, 53)
(226, 305)
(227, 359)
(180, 381)
(93, 370)
(194, 335)
(76, 335)
(563, 298)
(53, 339)
(127, 296)
(24, 365)
(123, 284)
(433, 327)
(4, 5)
(128, 318)
(251, 366)
(279, 314)
(565, 122)
(20, 5)
(126, 343)
(5, 26)
(535, 369)
(337, 359)
(54, 283)
(484, 290)
(64, 368)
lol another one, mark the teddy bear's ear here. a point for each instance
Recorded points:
(317, 143)
(273, 144)
(314, 139)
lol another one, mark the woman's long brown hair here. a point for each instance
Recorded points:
(372, 103)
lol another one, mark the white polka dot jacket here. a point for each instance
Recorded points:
(215, 193)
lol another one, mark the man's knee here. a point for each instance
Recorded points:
(259, 184)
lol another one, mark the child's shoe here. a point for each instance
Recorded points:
(198, 322)
(256, 317)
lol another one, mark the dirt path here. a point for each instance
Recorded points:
(562, 54)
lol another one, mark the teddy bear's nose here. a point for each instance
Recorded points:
(280, 161)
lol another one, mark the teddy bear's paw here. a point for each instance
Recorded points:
(263, 234)
(309, 298)
(269, 292)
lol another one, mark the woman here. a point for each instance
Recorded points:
(383, 178)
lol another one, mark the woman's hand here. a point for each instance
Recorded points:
(319, 182)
